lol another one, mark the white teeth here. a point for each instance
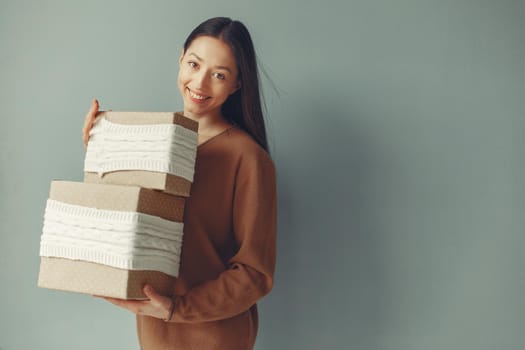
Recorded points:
(196, 96)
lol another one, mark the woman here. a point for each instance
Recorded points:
(228, 252)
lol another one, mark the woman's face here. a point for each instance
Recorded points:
(207, 75)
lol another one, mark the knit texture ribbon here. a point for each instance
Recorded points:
(166, 148)
(122, 239)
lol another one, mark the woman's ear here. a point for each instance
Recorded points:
(237, 87)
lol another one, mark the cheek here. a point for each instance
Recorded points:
(230, 89)
(183, 75)
(180, 77)
(180, 83)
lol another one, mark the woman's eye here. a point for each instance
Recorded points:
(220, 76)
(192, 64)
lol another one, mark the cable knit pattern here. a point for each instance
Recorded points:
(166, 148)
(121, 239)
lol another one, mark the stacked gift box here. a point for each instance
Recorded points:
(123, 226)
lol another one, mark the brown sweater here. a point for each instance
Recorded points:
(228, 250)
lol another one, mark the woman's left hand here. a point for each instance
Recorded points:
(158, 306)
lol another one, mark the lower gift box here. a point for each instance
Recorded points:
(98, 279)
(110, 240)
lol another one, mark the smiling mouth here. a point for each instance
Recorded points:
(197, 96)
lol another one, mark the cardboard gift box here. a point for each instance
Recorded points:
(149, 149)
(110, 240)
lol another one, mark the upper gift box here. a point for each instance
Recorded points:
(154, 150)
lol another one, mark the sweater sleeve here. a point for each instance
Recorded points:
(249, 275)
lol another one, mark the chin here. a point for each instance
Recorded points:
(195, 109)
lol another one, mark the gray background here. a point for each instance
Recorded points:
(397, 130)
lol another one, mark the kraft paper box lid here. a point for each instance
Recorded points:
(119, 197)
(126, 161)
(90, 266)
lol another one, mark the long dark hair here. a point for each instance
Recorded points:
(242, 108)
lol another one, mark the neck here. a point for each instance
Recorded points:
(207, 122)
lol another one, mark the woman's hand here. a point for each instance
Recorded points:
(88, 123)
(157, 306)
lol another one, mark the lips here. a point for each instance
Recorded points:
(197, 98)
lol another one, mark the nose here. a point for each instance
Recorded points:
(201, 79)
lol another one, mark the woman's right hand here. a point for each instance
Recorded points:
(88, 123)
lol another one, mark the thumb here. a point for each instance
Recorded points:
(152, 294)
(158, 300)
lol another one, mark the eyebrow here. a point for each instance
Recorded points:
(200, 59)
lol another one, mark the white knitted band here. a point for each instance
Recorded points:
(126, 240)
(167, 148)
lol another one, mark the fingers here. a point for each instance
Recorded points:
(157, 306)
(88, 122)
(150, 292)
(161, 301)
(94, 105)
(118, 302)
(154, 296)
(134, 306)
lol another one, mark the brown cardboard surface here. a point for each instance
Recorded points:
(168, 183)
(119, 197)
(97, 279)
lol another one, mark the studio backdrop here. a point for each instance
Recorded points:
(397, 129)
